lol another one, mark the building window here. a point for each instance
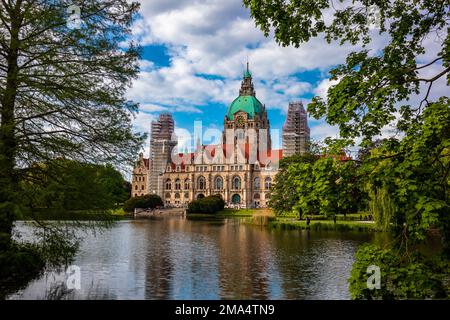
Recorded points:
(256, 196)
(177, 184)
(177, 195)
(167, 195)
(268, 183)
(135, 187)
(142, 188)
(201, 183)
(257, 183)
(186, 184)
(218, 183)
(168, 184)
(186, 195)
(236, 185)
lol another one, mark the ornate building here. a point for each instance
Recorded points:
(241, 168)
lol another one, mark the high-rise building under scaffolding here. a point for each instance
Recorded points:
(296, 133)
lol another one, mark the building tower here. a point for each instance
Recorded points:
(162, 142)
(296, 133)
(247, 114)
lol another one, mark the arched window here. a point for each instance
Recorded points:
(218, 183)
(177, 195)
(186, 184)
(256, 196)
(267, 183)
(168, 184)
(177, 184)
(236, 184)
(201, 183)
(167, 195)
(257, 183)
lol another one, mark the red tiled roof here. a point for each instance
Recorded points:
(273, 155)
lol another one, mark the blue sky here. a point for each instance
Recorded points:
(194, 55)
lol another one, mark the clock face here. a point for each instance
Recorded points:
(240, 121)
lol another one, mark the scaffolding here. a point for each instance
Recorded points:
(296, 133)
(162, 142)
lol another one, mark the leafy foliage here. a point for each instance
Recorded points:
(62, 95)
(72, 185)
(400, 279)
(407, 179)
(210, 204)
(149, 201)
(322, 185)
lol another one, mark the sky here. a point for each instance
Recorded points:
(194, 54)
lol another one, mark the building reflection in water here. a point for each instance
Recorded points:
(178, 258)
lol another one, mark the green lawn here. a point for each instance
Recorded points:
(235, 213)
(340, 225)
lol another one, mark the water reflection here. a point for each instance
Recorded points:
(178, 258)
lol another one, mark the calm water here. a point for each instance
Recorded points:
(178, 258)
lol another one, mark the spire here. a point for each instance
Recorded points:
(247, 84)
(247, 73)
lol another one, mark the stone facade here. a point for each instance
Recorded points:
(139, 183)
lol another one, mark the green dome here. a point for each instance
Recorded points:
(248, 104)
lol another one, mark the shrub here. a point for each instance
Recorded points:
(149, 201)
(210, 204)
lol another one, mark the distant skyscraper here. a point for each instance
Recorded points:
(296, 134)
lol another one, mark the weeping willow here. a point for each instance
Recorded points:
(381, 207)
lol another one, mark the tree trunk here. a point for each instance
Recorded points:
(8, 180)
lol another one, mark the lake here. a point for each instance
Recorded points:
(179, 258)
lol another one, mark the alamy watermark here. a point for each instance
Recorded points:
(374, 280)
(373, 17)
(231, 146)
(73, 280)
(74, 20)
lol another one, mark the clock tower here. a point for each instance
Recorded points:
(246, 120)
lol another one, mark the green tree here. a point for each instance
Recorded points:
(62, 90)
(149, 201)
(373, 90)
(282, 198)
(72, 185)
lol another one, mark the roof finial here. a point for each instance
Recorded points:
(247, 73)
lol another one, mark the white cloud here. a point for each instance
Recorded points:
(216, 37)
(322, 88)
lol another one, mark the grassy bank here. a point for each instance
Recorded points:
(235, 213)
(265, 217)
(287, 224)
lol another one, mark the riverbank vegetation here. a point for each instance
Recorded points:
(62, 97)
(149, 201)
(403, 180)
(210, 204)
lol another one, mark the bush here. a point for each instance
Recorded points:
(210, 204)
(149, 201)
(411, 278)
